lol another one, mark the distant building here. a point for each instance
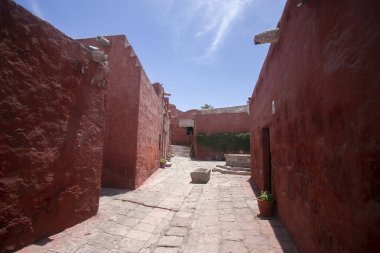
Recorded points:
(187, 125)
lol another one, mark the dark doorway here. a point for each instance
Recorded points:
(189, 131)
(267, 162)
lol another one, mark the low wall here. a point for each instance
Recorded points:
(220, 120)
(238, 160)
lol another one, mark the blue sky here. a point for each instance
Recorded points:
(201, 50)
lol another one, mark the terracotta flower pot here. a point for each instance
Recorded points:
(266, 207)
(162, 165)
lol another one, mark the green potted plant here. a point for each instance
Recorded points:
(266, 204)
(162, 163)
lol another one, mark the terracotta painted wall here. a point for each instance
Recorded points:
(218, 123)
(323, 75)
(179, 134)
(150, 127)
(164, 145)
(167, 126)
(51, 129)
(134, 112)
(120, 142)
(173, 114)
(221, 122)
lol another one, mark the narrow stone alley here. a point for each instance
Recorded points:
(170, 214)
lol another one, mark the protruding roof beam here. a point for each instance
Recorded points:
(103, 41)
(93, 48)
(269, 36)
(302, 2)
(99, 56)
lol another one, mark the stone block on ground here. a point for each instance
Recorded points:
(200, 176)
(238, 160)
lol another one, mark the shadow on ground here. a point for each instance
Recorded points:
(282, 235)
(109, 192)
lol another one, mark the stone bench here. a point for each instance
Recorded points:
(238, 160)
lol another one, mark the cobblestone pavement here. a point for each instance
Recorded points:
(170, 214)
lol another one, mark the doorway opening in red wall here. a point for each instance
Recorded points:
(189, 130)
(267, 160)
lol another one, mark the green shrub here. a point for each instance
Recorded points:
(265, 196)
(224, 142)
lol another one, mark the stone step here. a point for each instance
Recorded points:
(233, 168)
(181, 151)
(233, 172)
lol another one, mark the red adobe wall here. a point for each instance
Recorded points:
(218, 122)
(51, 129)
(221, 122)
(120, 142)
(164, 138)
(134, 112)
(179, 134)
(173, 114)
(167, 126)
(323, 75)
(149, 132)
(173, 117)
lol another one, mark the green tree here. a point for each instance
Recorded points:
(206, 106)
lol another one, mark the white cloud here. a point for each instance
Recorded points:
(204, 22)
(218, 17)
(35, 8)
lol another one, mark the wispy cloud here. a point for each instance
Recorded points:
(36, 9)
(205, 23)
(219, 16)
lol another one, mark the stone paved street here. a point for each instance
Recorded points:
(170, 214)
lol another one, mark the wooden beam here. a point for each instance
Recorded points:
(103, 41)
(269, 36)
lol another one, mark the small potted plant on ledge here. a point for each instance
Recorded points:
(162, 163)
(266, 204)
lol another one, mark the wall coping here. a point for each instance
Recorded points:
(234, 109)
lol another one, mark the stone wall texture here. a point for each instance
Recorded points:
(166, 124)
(323, 76)
(51, 129)
(212, 123)
(134, 117)
(150, 130)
